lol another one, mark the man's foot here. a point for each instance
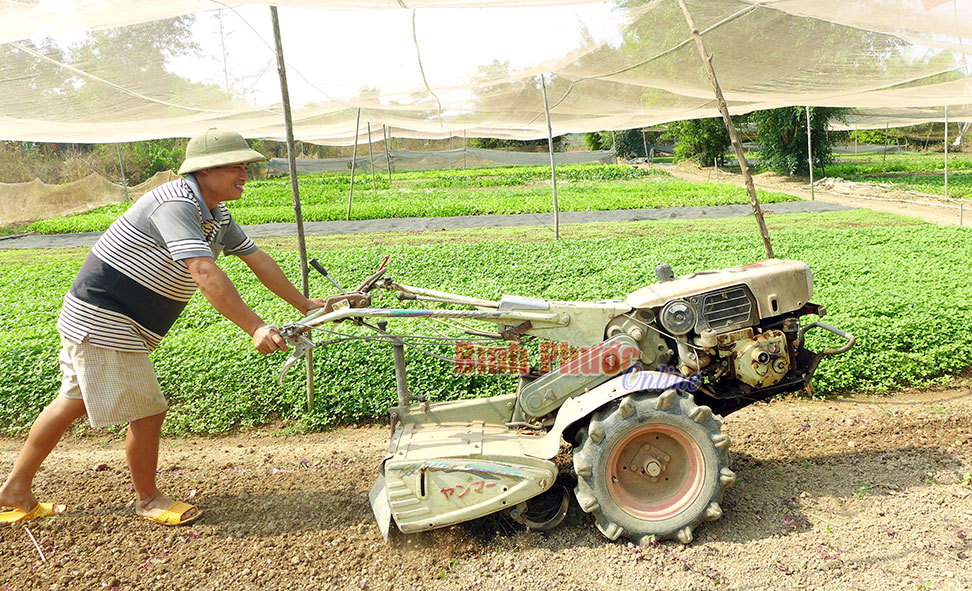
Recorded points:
(162, 509)
(39, 510)
(13, 499)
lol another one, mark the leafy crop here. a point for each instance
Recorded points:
(452, 193)
(903, 290)
(916, 172)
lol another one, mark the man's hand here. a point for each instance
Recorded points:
(313, 304)
(266, 340)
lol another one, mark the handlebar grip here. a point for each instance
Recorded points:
(851, 340)
(318, 267)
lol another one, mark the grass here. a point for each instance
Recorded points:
(452, 193)
(902, 287)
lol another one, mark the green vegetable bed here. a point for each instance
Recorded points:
(452, 193)
(902, 287)
(916, 172)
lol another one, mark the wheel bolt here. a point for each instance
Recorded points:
(653, 468)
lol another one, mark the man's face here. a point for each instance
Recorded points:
(223, 183)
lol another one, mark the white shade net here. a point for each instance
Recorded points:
(122, 70)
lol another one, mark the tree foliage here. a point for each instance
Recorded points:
(537, 145)
(782, 137)
(627, 143)
(705, 141)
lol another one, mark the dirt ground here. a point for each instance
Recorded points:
(799, 186)
(853, 494)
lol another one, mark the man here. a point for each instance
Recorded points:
(130, 290)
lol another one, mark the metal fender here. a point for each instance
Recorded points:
(574, 409)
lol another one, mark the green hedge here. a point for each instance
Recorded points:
(904, 290)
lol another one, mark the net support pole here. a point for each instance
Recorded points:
(553, 165)
(354, 159)
(887, 136)
(121, 165)
(644, 142)
(371, 153)
(294, 189)
(385, 133)
(810, 153)
(946, 151)
(464, 149)
(724, 109)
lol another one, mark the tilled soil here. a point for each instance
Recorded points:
(853, 494)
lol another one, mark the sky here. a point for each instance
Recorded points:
(359, 49)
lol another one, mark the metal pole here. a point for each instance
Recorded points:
(946, 151)
(464, 149)
(122, 166)
(750, 188)
(644, 142)
(294, 189)
(810, 154)
(855, 139)
(385, 134)
(354, 157)
(553, 166)
(371, 151)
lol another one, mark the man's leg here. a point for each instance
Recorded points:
(44, 435)
(142, 449)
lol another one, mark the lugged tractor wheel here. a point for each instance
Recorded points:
(652, 466)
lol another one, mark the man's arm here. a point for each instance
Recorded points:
(269, 273)
(222, 294)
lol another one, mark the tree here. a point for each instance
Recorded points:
(596, 141)
(627, 143)
(705, 141)
(538, 145)
(130, 75)
(782, 137)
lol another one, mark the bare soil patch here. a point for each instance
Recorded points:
(853, 494)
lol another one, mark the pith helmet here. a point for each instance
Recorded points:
(217, 147)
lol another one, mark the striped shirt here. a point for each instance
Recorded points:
(134, 283)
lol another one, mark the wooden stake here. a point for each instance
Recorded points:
(371, 151)
(553, 166)
(724, 109)
(810, 153)
(354, 158)
(121, 165)
(294, 188)
(387, 136)
(946, 151)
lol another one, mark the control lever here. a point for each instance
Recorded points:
(320, 269)
(368, 283)
(301, 345)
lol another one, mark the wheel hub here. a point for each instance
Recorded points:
(655, 472)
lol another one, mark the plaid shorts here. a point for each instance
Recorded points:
(116, 386)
